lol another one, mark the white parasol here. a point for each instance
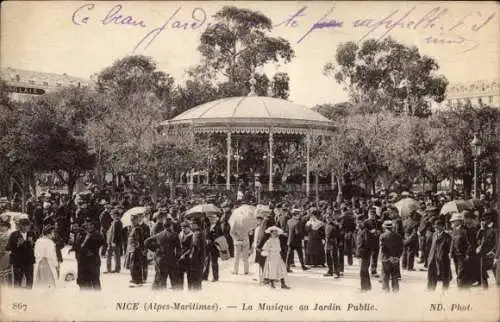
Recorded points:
(129, 213)
(243, 219)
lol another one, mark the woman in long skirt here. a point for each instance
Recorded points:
(274, 268)
(315, 255)
(46, 266)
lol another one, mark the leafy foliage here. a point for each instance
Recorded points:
(388, 76)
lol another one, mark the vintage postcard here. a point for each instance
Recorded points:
(249, 161)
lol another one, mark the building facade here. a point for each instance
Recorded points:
(24, 84)
(480, 91)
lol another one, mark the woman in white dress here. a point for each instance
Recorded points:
(275, 268)
(47, 265)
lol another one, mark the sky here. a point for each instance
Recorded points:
(82, 38)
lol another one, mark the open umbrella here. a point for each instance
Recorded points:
(202, 210)
(243, 219)
(455, 206)
(406, 206)
(129, 213)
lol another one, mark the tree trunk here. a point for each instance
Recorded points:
(339, 187)
(316, 186)
(434, 183)
(467, 184)
(452, 187)
(72, 178)
(23, 192)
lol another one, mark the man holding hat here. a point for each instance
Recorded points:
(391, 247)
(438, 261)
(21, 245)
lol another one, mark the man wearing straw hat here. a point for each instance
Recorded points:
(391, 247)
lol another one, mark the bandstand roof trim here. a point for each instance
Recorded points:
(251, 112)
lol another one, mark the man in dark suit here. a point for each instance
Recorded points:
(89, 265)
(105, 219)
(410, 227)
(365, 244)
(332, 235)
(348, 224)
(391, 247)
(438, 261)
(375, 225)
(459, 250)
(146, 234)
(114, 240)
(487, 244)
(295, 235)
(212, 253)
(22, 257)
(167, 248)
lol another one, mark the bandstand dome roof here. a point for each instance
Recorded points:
(251, 114)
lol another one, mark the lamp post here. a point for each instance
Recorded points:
(268, 160)
(476, 151)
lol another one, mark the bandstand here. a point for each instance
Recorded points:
(253, 115)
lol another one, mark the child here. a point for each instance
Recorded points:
(275, 268)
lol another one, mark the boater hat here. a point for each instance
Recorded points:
(274, 228)
(387, 224)
(456, 216)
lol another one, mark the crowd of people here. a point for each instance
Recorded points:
(320, 234)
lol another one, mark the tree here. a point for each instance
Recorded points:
(232, 50)
(49, 135)
(387, 75)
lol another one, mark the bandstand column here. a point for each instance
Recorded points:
(270, 160)
(228, 174)
(308, 148)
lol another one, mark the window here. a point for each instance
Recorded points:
(46, 83)
(32, 82)
(18, 78)
(58, 84)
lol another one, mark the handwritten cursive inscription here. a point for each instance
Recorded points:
(77, 18)
(114, 16)
(199, 19)
(436, 26)
(323, 24)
